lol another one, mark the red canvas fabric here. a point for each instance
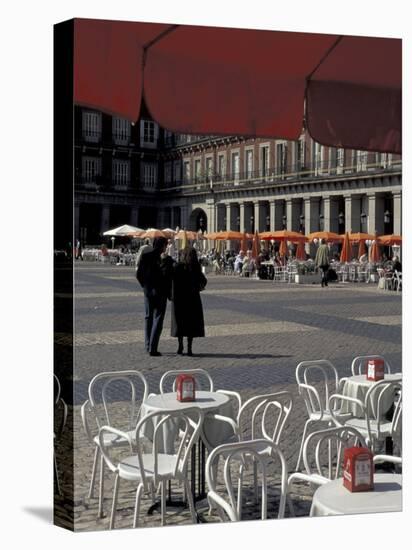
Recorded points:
(206, 80)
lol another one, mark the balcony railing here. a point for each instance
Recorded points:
(289, 173)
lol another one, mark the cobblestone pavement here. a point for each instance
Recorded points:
(257, 332)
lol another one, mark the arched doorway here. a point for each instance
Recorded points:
(198, 220)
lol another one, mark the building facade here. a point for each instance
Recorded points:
(147, 176)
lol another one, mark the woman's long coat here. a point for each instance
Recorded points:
(187, 310)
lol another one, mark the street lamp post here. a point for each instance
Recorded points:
(267, 223)
(112, 242)
(284, 220)
(252, 219)
(302, 223)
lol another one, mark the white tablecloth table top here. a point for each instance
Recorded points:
(358, 386)
(333, 499)
(215, 432)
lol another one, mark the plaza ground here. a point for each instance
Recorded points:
(257, 332)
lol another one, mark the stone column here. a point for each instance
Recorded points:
(352, 213)
(289, 214)
(105, 219)
(242, 216)
(311, 212)
(397, 213)
(256, 215)
(326, 213)
(272, 214)
(375, 214)
(211, 214)
(228, 217)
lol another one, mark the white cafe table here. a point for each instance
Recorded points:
(358, 386)
(333, 499)
(215, 432)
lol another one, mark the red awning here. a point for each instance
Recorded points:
(206, 80)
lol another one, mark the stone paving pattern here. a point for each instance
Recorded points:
(257, 332)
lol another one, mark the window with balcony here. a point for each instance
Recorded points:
(264, 160)
(300, 155)
(149, 175)
(235, 167)
(209, 167)
(186, 171)
(91, 170)
(121, 172)
(177, 171)
(340, 160)
(249, 163)
(221, 166)
(92, 126)
(148, 134)
(281, 158)
(120, 131)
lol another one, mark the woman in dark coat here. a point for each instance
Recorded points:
(187, 310)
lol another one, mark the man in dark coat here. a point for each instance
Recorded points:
(154, 275)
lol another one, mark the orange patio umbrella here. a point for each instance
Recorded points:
(329, 236)
(362, 249)
(390, 240)
(346, 253)
(300, 251)
(282, 235)
(189, 235)
(283, 249)
(374, 252)
(153, 234)
(230, 235)
(256, 245)
(358, 237)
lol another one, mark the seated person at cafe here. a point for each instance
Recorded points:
(239, 261)
(396, 266)
(249, 265)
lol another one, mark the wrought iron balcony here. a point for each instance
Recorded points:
(297, 172)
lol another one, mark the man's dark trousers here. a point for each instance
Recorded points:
(155, 309)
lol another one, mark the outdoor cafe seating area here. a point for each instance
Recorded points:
(280, 256)
(188, 442)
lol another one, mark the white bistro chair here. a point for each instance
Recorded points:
(373, 424)
(235, 455)
(323, 456)
(115, 399)
(262, 418)
(317, 380)
(360, 364)
(149, 467)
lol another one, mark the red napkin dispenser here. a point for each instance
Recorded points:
(358, 469)
(186, 387)
(376, 370)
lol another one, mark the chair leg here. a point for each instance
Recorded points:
(255, 481)
(137, 505)
(56, 475)
(114, 501)
(163, 503)
(214, 478)
(101, 488)
(93, 479)
(302, 443)
(239, 492)
(190, 500)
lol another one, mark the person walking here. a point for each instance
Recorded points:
(322, 261)
(187, 310)
(154, 274)
(146, 247)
